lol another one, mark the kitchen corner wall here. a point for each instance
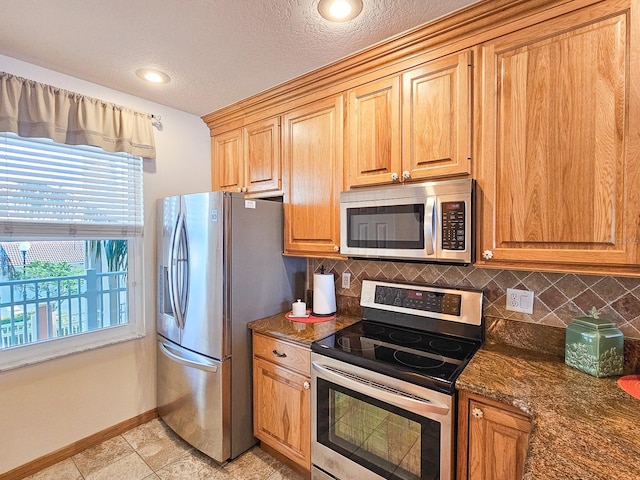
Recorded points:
(50, 405)
(559, 297)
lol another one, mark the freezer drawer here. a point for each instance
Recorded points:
(194, 398)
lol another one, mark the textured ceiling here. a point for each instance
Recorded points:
(216, 51)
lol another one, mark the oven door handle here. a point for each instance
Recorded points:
(380, 391)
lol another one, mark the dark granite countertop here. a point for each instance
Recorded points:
(301, 332)
(583, 427)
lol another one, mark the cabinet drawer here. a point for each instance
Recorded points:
(282, 353)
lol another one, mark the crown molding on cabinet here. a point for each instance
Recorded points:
(467, 27)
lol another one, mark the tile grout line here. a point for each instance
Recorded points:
(138, 454)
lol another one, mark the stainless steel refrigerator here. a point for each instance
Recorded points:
(220, 266)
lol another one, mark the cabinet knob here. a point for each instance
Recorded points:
(394, 177)
(306, 385)
(406, 175)
(279, 355)
(336, 248)
(478, 413)
(487, 254)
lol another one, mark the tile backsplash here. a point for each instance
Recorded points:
(559, 297)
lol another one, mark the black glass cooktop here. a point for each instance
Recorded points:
(423, 358)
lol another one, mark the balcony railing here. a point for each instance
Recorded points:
(47, 308)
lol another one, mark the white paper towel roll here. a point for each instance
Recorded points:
(324, 294)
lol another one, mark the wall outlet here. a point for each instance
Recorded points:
(519, 300)
(346, 280)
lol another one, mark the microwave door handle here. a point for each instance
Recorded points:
(429, 225)
(381, 392)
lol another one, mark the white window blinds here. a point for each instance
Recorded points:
(50, 190)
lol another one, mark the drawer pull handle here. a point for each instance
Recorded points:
(279, 355)
(478, 413)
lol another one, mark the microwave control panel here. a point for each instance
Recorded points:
(453, 225)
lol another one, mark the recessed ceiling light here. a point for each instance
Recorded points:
(153, 76)
(339, 10)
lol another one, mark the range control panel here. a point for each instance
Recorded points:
(444, 303)
(429, 301)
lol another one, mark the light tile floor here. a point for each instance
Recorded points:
(152, 451)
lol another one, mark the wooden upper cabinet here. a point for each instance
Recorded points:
(373, 134)
(436, 117)
(312, 180)
(227, 159)
(248, 159)
(262, 161)
(412, 126)
(560, 125)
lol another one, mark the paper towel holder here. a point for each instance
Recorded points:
(324, 294)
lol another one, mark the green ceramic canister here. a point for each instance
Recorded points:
(595, 346)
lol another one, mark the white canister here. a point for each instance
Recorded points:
(298, 309)
(324, 294)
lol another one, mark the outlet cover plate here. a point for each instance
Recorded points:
(519, 300)
(346, 280)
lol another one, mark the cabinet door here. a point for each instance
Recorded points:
(312, 178)
(281, 410)
(498, 442)
(436, 118)
(227, 168)
(373, 134)
(560, 123)
(262, 156)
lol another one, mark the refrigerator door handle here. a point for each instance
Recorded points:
(172, 273)
(180, 271)
(204, 365)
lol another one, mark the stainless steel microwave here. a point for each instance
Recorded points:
(427, 222)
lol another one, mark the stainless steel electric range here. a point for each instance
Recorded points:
(384, 398)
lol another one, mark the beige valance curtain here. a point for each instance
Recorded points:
(32, 109)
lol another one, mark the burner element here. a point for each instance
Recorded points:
(349, 345)
(372, 329)
(405, 337)
(444, 345)
(417, 361)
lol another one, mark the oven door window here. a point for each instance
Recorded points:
(392, 442)
(391, 227)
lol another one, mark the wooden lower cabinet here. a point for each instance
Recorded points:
(492, 439)
(281, 398)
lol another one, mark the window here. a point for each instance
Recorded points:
(71, 221)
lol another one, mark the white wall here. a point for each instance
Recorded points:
(50, 405)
